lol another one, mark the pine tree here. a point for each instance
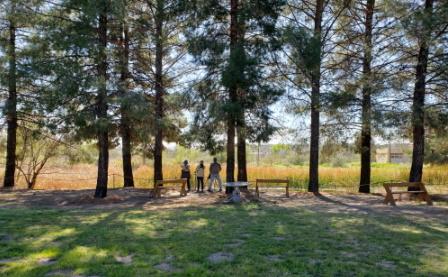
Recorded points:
(75, 42)
(424, 28)
(11, 103)
(315, 72)
(230, 41)
(17, 75)
(125, 107)
(301, 65)
(101, 105)
(157, 70)
(418, 103)
(366, 118)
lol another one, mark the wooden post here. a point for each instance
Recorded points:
(287, 189)
(426, 196)
(257, 192)
(389, 196)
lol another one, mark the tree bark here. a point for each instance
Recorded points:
(11, 106)
(233, 98)
(241, 120)
(313, 185)
(242, 164)
(366, 129)
(11, 111)
(125, 128)
(103, 137)
(418, 105)
(159, 88)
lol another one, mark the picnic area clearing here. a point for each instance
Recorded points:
(67, 233)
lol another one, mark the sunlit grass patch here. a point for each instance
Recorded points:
(263, 241)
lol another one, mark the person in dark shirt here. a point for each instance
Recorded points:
(185, 173)
(215, 169)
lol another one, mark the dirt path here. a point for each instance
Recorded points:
(139, 198)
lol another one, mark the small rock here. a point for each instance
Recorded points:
(167, 267)
(5, 238)
(62, 272)
(46, 261)
(169, 258)
(348, 254)
(124, 260)
(7, 261)
(220, 257)
(235, 243)
(386, 264)
(274, 258)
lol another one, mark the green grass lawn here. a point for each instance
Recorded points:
(264, 241)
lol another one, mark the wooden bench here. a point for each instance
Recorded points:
(421, 191)
(158, 186)
(271, 181)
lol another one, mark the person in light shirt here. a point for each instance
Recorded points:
(200, 173)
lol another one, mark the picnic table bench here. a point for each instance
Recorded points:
(271, 181)
(158, 186)
(420, 191)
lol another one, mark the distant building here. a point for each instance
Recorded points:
(394, 153)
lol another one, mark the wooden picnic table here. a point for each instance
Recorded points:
(420, 191)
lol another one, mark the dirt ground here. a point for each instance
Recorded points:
(139, 198)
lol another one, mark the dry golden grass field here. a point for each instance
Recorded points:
(83, 176)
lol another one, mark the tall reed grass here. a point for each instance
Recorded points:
(83, 176)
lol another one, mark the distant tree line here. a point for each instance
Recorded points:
(125, 71)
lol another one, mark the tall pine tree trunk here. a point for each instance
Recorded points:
(158, 147)
(418, 104)
(125, 128)
(366, 129)
(241, 120)
(313, 185)
(230, 169)
(11, 106)
(233, 97)
(103, 138)
(241, 155)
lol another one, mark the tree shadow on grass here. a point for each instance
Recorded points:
(376, 206)
(304, 242)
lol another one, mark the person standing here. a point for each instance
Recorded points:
(200, 173)
(185, 173)
(215, 169)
